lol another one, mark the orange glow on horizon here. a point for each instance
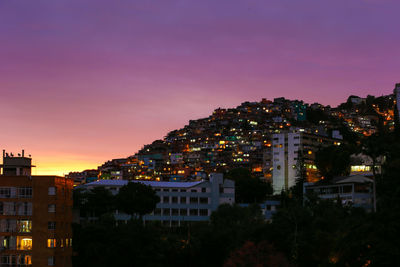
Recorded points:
(61, 165)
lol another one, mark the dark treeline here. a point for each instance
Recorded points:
(302, 233)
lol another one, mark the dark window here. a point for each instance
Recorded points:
(25, 192)
(183, 200)
(194, 200)
(183, 190)
(347, 189)
(174, 199)
(194, 212)
(193, 190)
(183, 212)
(157, 211)
(268, 207)
(165, 199)
(203, 189)
(203, 200)
(167, 212)
(175, 212)
(51, 225)
(203, 212)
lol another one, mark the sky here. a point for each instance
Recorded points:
(85, 81)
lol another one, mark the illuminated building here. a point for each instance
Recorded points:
(286, 148)
(180, 201)
(35, 216)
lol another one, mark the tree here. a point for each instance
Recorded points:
(100, 201)
(301, 177)
(333, 161)
(248, 189)
(262, 254)
(374, 147)
(136, 198)
(95, 202)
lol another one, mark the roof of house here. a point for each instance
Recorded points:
(358, 179)
(353, 179)
(151, 183)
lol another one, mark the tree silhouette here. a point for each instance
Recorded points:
(136, 199)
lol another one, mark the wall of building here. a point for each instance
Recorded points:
(181, 201)
(39, 214)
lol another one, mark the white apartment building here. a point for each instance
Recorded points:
(180, 201)
(285, 153)
(285, 147)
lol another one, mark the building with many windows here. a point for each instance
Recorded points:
(287, 148)
(180, 201)
(35, 216)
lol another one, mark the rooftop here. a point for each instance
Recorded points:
(151, 183)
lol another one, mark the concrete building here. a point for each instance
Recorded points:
(35, 216)
(180, 201)
(356, 190)
(287, 147)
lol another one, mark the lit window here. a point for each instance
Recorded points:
(24, 226)
(51, 243)
(26, 260)
(24, 243)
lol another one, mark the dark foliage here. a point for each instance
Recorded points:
(333, 161)
(137, 199)
(248, 189)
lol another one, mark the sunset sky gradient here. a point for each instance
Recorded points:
(84, 81)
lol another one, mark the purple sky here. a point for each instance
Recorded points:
(85, 81)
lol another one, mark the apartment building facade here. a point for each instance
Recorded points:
(180, 201)
(287, 148)
(35, 216)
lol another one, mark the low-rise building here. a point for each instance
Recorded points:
(357, 191)
(180, 201)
